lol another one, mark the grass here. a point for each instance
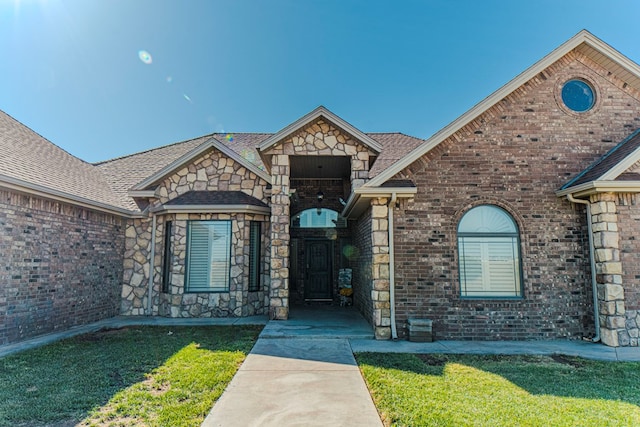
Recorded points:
(455, 390)
(151, 376)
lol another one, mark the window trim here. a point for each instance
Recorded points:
(516, 243)
(188, 258)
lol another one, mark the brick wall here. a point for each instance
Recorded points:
(516, 155)
(628, 227)
(61, 266)
(362, 277)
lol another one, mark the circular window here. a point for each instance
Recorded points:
(578, 96)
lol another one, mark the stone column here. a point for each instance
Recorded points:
(380, 269)
(359, 169)
(604, 219)
(279, 290)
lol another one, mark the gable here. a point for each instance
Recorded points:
(212, 171)
(139, 174)
(318, 133)
(620, 71)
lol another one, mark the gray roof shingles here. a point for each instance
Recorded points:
(28, 157)
(125, 172)
(606, 162)
(195, 198)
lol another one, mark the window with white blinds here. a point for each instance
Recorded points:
(489, 254)
(208, 256)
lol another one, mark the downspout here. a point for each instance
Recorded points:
(152, 259)
(392, 273)
(594, 286)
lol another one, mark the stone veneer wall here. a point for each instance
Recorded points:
(627, 215)
(62, 266)
(515, 155)
(212, 171)
(318, 139)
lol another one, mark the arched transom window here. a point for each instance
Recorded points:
(489, 254)
(315, 218)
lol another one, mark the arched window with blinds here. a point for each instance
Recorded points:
(489, 254)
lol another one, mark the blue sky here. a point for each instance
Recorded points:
(72, 70)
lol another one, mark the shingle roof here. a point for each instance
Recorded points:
(124, 172)
(28, 158)
(394, 147)
(608, 161)
(192, 198)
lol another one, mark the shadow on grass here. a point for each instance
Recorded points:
(497, 390)
(557, 375)
(63, 382)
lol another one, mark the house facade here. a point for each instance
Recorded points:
(516, 221)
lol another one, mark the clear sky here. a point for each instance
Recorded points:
(105, 78)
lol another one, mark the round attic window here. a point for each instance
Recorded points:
(578, 95)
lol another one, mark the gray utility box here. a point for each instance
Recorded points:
(420, 330)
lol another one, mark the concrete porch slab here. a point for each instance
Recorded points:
(321, 322)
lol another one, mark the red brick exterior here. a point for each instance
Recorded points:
(362, 275)
(62, 266)
(515, 155)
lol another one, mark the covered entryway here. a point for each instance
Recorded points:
(315, 163)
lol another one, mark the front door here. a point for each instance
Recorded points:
(319, 270)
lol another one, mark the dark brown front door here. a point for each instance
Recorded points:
(319, 271)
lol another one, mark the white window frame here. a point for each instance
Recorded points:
(208, 263)
(489, 259)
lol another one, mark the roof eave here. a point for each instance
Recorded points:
(226, 209)
(360, 198)
(141, 194)
(60, 196)
(594, 187)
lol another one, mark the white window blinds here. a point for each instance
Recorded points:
(209, 256)
(489, 255)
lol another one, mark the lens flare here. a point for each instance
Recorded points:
(351, 252)
(187, 97)
(145, 56)
(229, 137)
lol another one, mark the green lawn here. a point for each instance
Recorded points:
(454, 390)
(153, 376)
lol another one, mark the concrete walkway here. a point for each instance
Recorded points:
(296, 382)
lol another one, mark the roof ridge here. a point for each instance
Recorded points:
(210, 135)
(601, 159)
(395, 133)
(152, 149)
